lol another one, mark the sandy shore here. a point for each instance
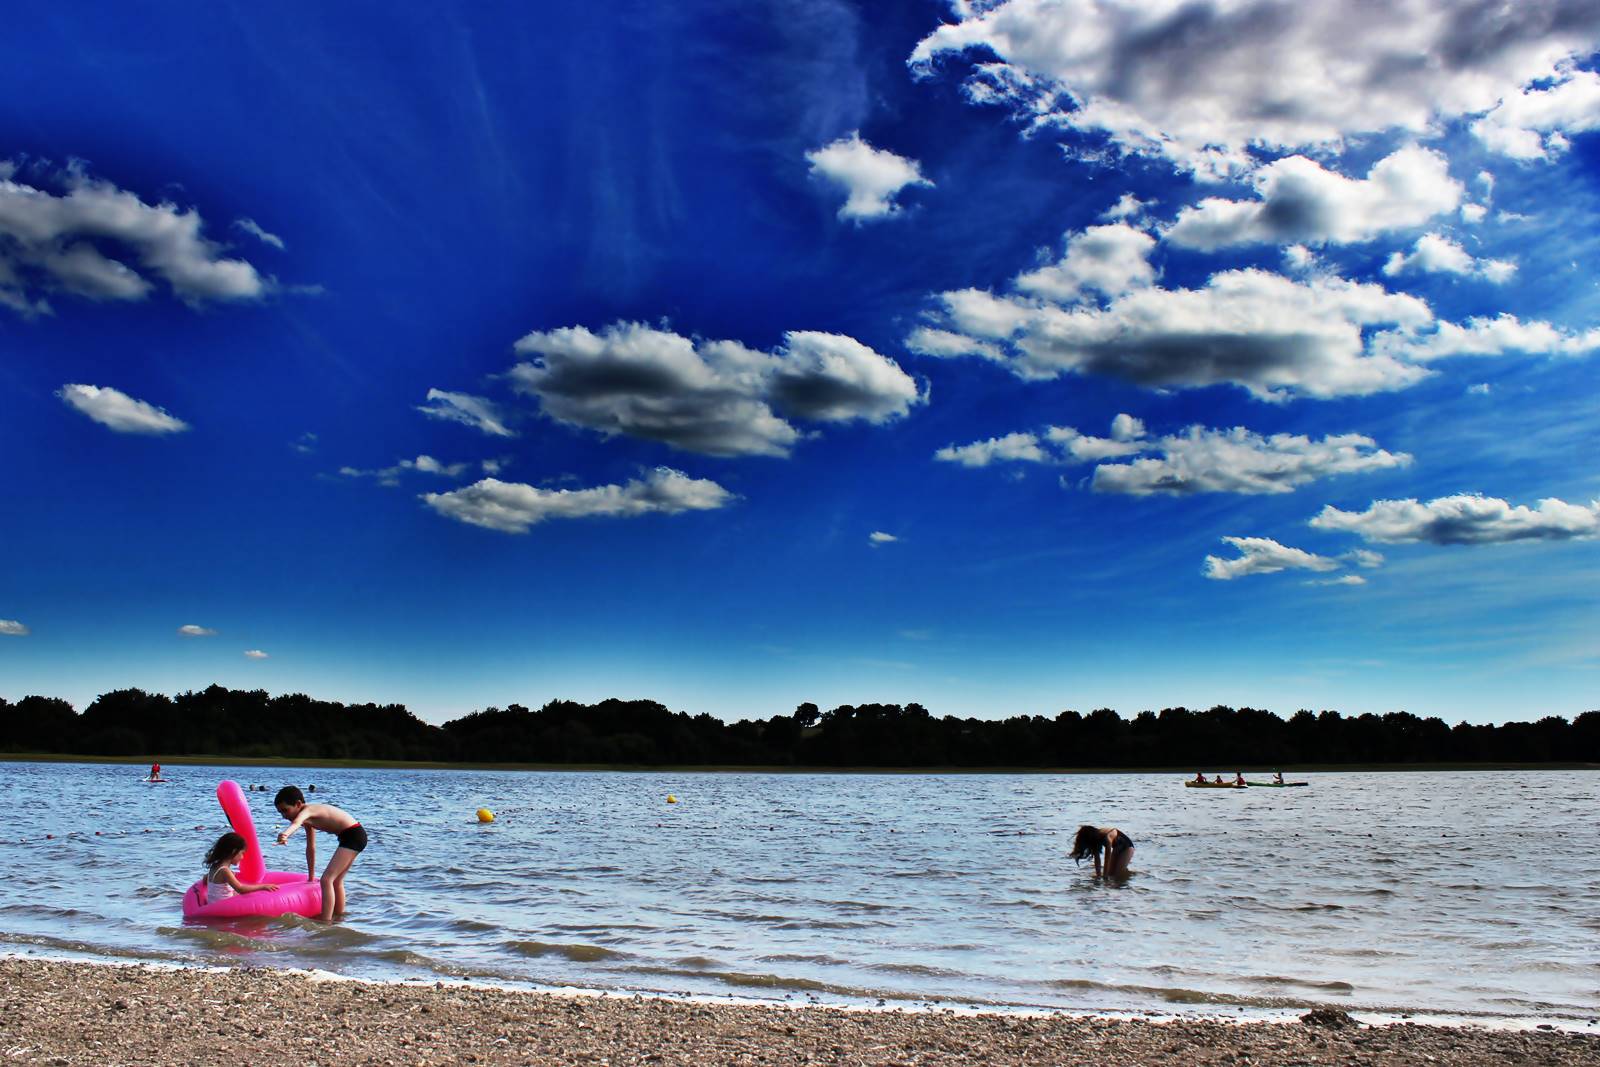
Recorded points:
(76, 1013)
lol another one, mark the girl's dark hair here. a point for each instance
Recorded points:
(227, 845)
(1090, 840)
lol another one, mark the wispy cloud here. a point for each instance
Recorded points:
(250, 227)
(191, 630)
(255, 653)
(478, 412)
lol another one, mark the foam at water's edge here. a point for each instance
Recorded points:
(1239, 1017)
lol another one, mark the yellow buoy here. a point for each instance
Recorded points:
(485, 815)
(671, 799)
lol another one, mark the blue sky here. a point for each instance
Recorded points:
(1004, 357)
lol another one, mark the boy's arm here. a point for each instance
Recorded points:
(295, 824)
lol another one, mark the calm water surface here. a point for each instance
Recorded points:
(1471, 894)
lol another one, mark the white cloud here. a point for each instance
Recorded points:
(1473, 213)
(495, 464)
(475, 411)
(1240, 461)
(1364, 558)
(719, 398)
(119, 411)
(1274, 336)
(1532, 123)
(255, 653)
(871, 177)
(512, 507)
(1013, 447)
(1464, 519)
(423, 464)
(1200, 81)
(1108, 259)
(1262, 555)
(1299, 202)
(1343, 579)
(878, 537)
(1478, 389)
(191, 630)
(305, 444)
(1435, 254)
(70, 242)
(1485, 337)
(250, 227)
(1198, 460)
(13, 628)
(1127, 208)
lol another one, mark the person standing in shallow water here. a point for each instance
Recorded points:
(1095, 840)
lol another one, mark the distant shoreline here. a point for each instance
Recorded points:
(440, 765)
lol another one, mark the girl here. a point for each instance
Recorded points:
(221, 882)
(1118, 847)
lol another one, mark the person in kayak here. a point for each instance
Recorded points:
(1219, 781)
(1199, 777)
(1117, 846)
(1277, 777)
(1238, 778)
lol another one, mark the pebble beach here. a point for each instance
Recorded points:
(60, 1013)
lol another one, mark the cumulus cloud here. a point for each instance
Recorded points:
(255, 653)
(1300, 202)
(1485, 337)
(512, 507)
(478, 412)
(119, 411)
(1201, 82)
(871, 177)
(1127, 207)
(93, 240)
(717, 398)
(1435, 254)
(191, 630)
(878, 537)
(1240, 461)
(1533, 123)
(1111, 260)
(1273, 336)
(1464, 519)
(1198, 460)
(423, 464)
(1263, 555)
(1013, 447)
(13, 628)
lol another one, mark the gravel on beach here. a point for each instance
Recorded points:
(59, 1013)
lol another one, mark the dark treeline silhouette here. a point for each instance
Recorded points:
(225, 722)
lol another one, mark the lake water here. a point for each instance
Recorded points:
(1470, 894)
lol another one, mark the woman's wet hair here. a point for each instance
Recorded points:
(228, 845)
(1090, 840)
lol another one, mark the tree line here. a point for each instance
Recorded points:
(227, 722)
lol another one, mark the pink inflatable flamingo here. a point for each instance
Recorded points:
(298, 895)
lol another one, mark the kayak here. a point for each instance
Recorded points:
(1212, 785)
(1275, 785)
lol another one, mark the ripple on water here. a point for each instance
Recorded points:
(577, 953)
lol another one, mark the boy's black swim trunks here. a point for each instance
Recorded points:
(354, 838)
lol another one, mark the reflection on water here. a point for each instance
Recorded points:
(1395, 892)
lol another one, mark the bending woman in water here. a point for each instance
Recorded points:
(1117, 846)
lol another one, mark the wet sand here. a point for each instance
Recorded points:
(78, 1013)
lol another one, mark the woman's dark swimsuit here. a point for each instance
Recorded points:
(353, 838)
(1124, 843)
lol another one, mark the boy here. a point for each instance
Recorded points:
(291, 804)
